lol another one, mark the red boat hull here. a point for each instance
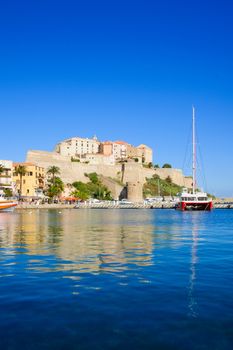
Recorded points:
(186, 206)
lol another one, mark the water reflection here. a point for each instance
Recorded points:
(146, 247)
(83, 241)
(193, 221)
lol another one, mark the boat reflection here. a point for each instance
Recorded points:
(192, 298)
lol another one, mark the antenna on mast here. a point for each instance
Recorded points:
(194, 152)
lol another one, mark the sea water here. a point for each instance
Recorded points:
(116, 279)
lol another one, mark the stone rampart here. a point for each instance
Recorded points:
(128, 172)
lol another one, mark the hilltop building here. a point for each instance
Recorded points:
(107, 152)
(78, 147)
(116, 149)
(33, 181)
(122, 150)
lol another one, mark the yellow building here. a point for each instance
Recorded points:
(30, 184)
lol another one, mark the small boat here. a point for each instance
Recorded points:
(6, 204)
(195, 200)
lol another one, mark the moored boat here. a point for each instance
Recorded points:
(195, 200)
(6, 204)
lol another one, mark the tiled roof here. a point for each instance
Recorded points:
(121, 142)
(24, 164)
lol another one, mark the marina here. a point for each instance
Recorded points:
(114, 205)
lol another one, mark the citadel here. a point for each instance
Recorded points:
(120, 165)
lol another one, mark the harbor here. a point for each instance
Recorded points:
(114, 205)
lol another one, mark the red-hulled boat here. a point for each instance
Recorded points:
(195, 200)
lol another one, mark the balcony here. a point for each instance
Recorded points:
(5, 175)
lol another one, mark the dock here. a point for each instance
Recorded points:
(159, 205)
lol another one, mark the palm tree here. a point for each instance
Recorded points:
(53, 170)
(21, 171)
(2, 169)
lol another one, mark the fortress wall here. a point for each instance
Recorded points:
(113, 186)
(74, 171)
(176, 176)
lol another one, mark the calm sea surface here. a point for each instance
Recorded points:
(116, 279)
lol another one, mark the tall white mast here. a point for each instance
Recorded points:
(194, 153)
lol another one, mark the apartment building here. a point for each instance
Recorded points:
(122, 150)
(90, 149)
(118, 149)
(77, 147)
(6, 175)
(32, 182)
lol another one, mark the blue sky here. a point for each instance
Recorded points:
(126, 70)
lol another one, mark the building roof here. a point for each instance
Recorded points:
(79, 138)
(24, 164)
(121, 142)
(107, 142)
(143, 146)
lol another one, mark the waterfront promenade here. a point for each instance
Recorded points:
(112, 205)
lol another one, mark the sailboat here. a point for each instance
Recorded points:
(195, 200)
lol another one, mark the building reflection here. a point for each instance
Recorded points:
(83, 241)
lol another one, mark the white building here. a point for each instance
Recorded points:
(120, 150)
(6, 176)
(77, 147)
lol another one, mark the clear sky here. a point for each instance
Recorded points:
(119, 69)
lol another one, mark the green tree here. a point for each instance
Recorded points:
(58, 183)
(55, 188)
(53, 171)
(8, 192)
(20, 171)
(168, 180)
(167, 165)
(80, 194)
(53, 191)
(94, 188)
(93, 178)
(156, 166)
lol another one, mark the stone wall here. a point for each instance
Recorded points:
(132, 171)
(117, 190)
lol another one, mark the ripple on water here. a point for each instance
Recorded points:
(116, 279)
